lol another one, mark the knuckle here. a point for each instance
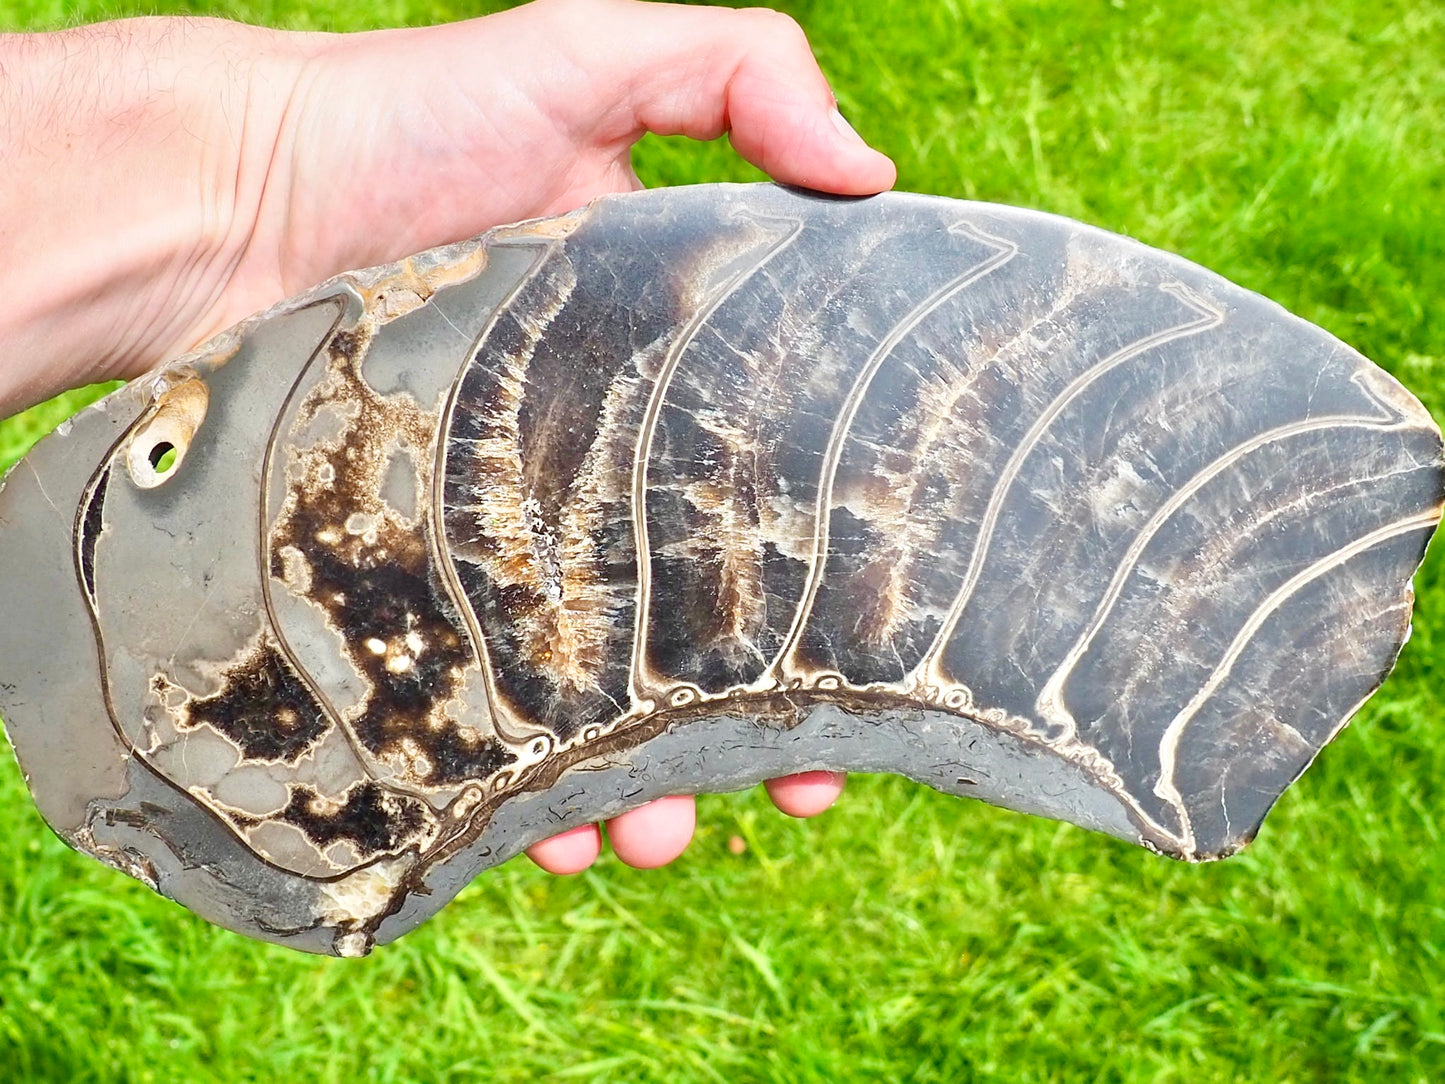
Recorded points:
(776, 27)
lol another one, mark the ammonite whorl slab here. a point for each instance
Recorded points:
(685, 490)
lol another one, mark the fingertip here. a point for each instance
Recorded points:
(806, 794)
(750, 73)
(862, 167)
(784, 118)
(807, 143)
(570, 852)
(655, 834)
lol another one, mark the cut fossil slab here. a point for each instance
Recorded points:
(685, 490)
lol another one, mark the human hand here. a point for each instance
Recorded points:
(308, 154)
(400, 140)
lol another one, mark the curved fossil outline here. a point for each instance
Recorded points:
(1154, 548)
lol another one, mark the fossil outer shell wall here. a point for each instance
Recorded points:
(682, 491)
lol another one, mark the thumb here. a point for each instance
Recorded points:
(701, 72)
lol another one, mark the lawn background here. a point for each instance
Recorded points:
(1294, 147)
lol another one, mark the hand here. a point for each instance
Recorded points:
(309, 154)
(400, 140)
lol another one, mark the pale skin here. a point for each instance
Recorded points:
(168, 177)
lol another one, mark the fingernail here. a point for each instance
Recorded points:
(841, 123)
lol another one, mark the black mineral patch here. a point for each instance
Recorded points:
(91, 525)
(372, 819)
(264, 708)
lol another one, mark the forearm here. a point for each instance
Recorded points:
(135, 160)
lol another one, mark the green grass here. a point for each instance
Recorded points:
(1292, 146)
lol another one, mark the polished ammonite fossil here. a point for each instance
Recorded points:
(687, 489)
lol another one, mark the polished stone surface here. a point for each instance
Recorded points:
(685, 490)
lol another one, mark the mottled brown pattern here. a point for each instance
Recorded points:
(541, 459)
(369, 568)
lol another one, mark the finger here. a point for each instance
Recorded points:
(570, 852)
(806, 794)
(654, 834)
(701, 72)
(782, 117)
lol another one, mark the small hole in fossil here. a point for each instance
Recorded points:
(162, 457)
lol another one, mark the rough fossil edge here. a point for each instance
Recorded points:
(361, 291)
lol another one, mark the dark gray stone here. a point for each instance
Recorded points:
(686, 490)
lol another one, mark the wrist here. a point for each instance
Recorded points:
(137, 154)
